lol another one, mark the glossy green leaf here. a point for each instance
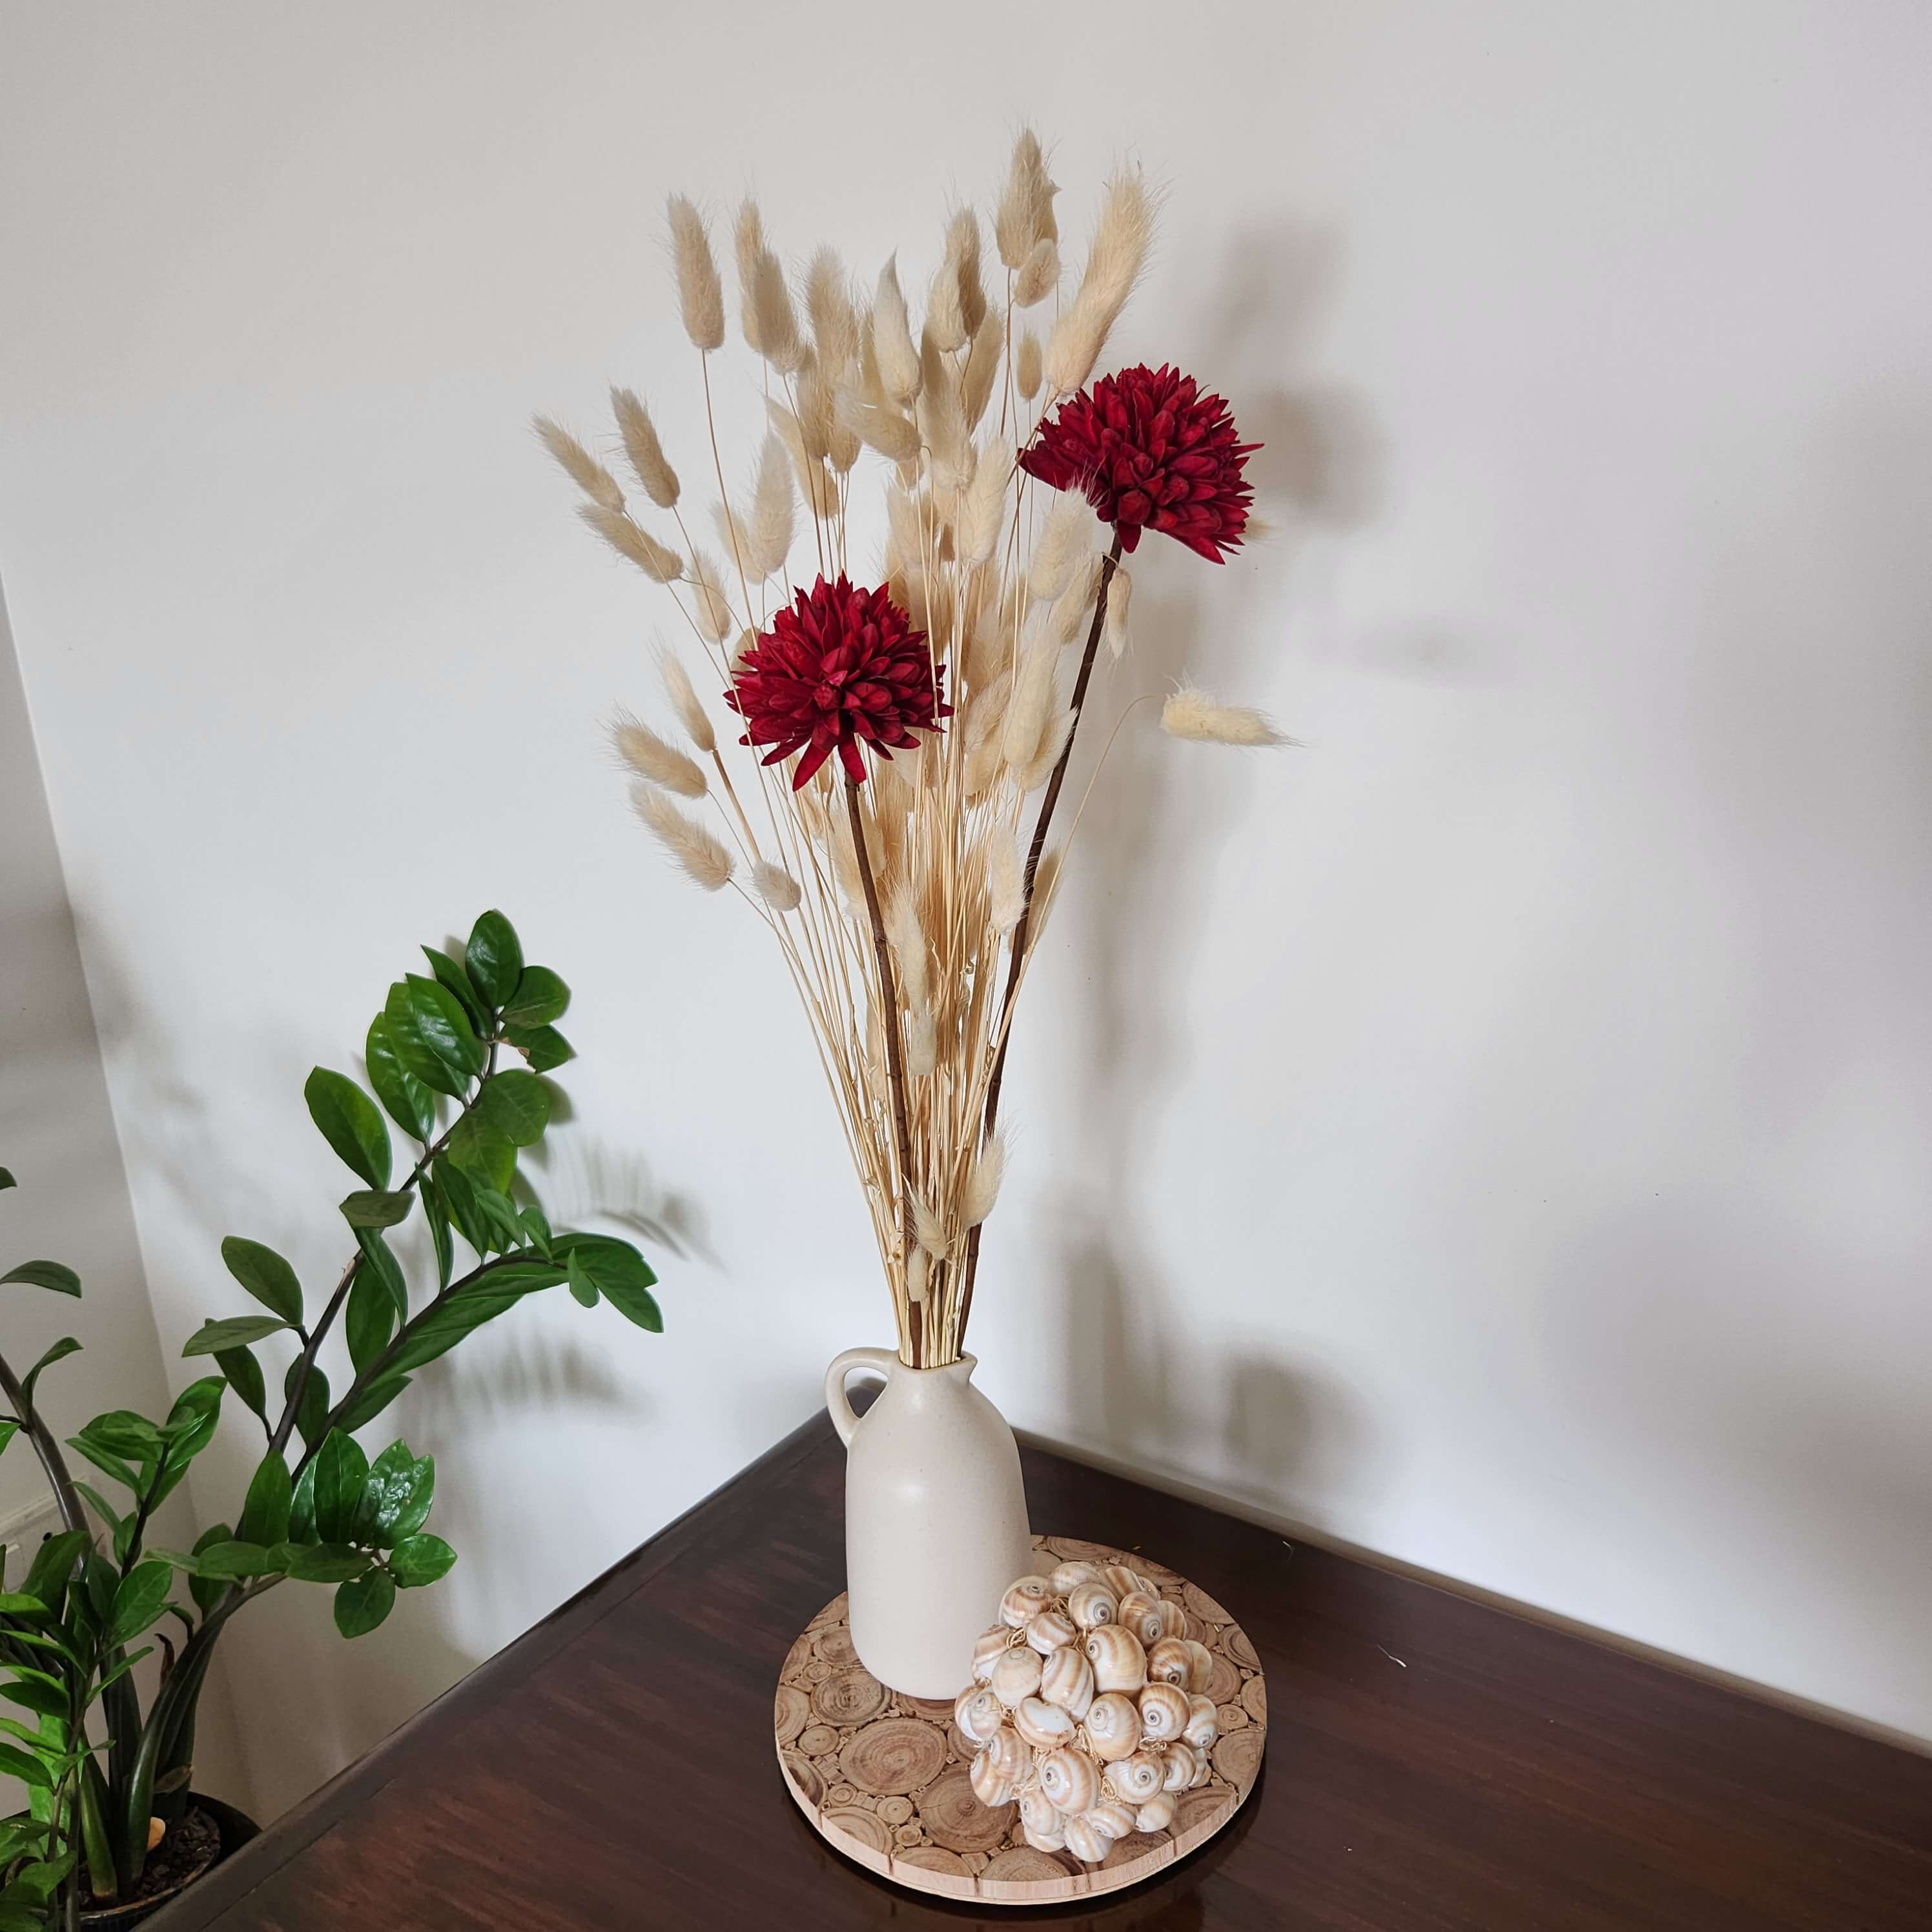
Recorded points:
(540, 996)
(266, 1276)
(516, 1104)
(458, 1195)
(45, 1274)
(18, 1603)
(482, 1151)
(66, 1346)
(138, 1601)
(445, 1323)
(582, 1289)
(506, 1226)
(312, 1411)
(410, 1104)
(543, 1046)
(351, 1123)
(214, 1338)
(31, 1694)
(371, 1403)
(126, 1434)
(620, 1273)
(369, 1318)
(321, 1562)
(104, 1510)
(265, 1515)
(207, 1591)
(6, 1179)
(53, 1564)
(400, 1488)
(341, 1472)
(376, 1209)
(245, 1377)
(495, 958)
(108, 1463)
(9, 1428)
(418, 1057)
(189, 1428)
(224, 1560)
(302, 1506)
(536, 1228)
(380, 1258)
(360, 1605)
(418, 1560)
(435, 1210)
(128, 1661)
(444, 1026)
(451, 977)
(31, 1771)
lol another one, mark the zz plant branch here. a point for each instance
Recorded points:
(106, 1777)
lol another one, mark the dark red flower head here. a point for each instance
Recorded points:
(841, 667)
(1150, 452)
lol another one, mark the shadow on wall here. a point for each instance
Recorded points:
(1285, 1425)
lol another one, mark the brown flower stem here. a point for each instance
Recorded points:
(889, 997)
(1017, 958)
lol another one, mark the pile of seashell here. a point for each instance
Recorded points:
(1086, 1706)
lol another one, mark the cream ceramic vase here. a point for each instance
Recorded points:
(935, 1518)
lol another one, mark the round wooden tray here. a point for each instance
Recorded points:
(883, 1777)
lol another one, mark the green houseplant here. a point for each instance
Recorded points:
(107, 1768)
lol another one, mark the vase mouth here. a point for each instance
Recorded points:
(962, 1360)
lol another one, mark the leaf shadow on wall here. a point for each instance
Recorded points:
(1164, 816)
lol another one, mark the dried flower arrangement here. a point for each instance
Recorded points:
(923, 726)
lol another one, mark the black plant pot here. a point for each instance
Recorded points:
(236, 1829)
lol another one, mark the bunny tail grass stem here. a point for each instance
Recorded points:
(1016, 956)
(888, 1005)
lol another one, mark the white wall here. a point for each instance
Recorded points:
(1496, 1134)
(71, 1202)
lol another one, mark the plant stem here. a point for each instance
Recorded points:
(1017, 958)
(895, 1054)
(45, 1447)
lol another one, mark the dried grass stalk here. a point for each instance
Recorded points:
(1028, 369)
(684, 700)
(1114, 264)
(1191, 713)
(1025, 216)
(692, 849)
(1065, 539)
(898, 362)
(652, 758)
(1113, 629)
(1038, 275)
(700, 296)
(659, 563)
(711, 610)
(582, 468)
(657, 478)
(983, 1190)
(776, 886)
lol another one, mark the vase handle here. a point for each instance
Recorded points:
(845, 1417)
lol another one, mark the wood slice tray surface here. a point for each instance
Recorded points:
(883, 1777)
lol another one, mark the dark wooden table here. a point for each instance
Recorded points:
(614, 1768)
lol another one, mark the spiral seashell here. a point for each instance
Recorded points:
(1022, 1599)
(1169, 1663)
(978, 1713)
(1086, 1840)
(1179, 1758)
(1044, 1725)
(1136, 1779)
(1016, 1675)
(1069, 1576)
(1164, 1713)
(1113, 1817)
(1141, 1614)
(998, 1766)
(1204, 1769)
(1119, 1579)
(1113, 1725)
(1043, 1841)
(1157, 1813)
(1071, 1780)
(1200, 1665)
(1202, 1727)
(1050, 1630)
(989, 1647)
(1036, 1811)
(1173, 1618)
(1091, 1605)
(1118, 1660)
(1066, 1679)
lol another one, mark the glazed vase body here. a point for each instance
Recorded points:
(935, 1518)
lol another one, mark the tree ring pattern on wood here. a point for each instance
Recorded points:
(909, 1813)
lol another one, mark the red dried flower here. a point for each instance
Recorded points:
(1150, 452)
(840, 667)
